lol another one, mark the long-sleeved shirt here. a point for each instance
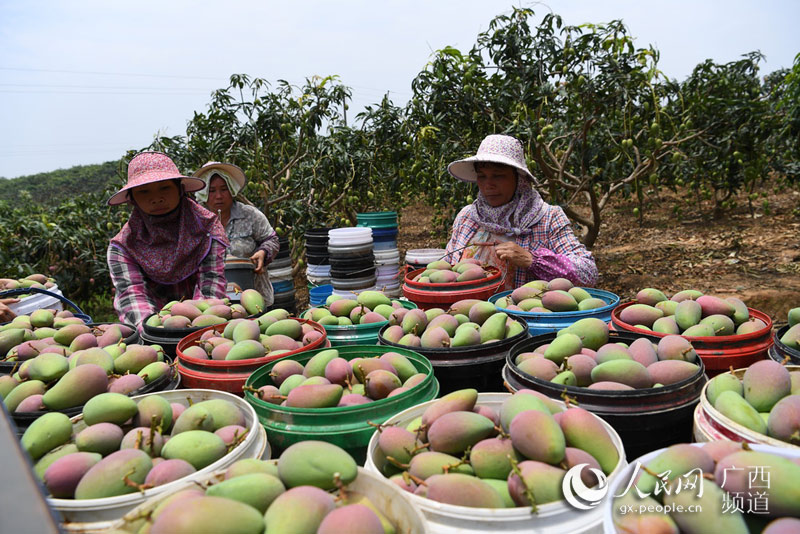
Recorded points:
(249, 231)
(137, 297)
(556, 251)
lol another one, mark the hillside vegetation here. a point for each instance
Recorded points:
(53, 187)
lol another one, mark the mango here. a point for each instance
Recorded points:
(198, 447)
(653, 522)
(32, 403)
(48, 459)
(612, 351)
(574, 456)
(144, 439)
(63, 475)
(643, 351)
(46, 433)
(592, 332)
(284, 369)
(22, 391)
(258, 490)
(314, 463)
(94, 355)
(784, 420)
(380, 383)
(537, 436)
(109, 408)
(398, 443)
(672, 371)
(739, 410)
(454, 432)
(640, 314)
(195, 417)
(650, 296)
(518, 403)
(491, 458)
(481, 311)
(735, 472)
(783, 525)
(252, 301)
(674, 347)
(290, 383)
(344, 518)
(628, 372)
(428, 463)
(592, 303)
(699, 330)
(48, 367)
(765, 382)
(286, 327)
(688, 313)
(168, 471)
(791, 338)
(748, 327)
(135, 358)
(107, 478)
(153, 371)
(154, 410)
(667, 306)
(462, 490)
(393, 333)
(494, 328)
(232, 434)
(666, 325)
(83, 341)
(127, 383)
(721, 324)
(404, 367)
(245, 329)
(465, 337)
(317, 364)
(543, 480)
(540, 367)
(436, 337)
(581, 367)
(559, 301)
(65, 335)
(314, 396)
(686, 294)
(7, 385)
(563, 346)
(203, 514)
(251, 465)
(583, 430)
(461, 400)
(245, 350)
(102, 438)
(714, 305)
(299, 509)
(673, 462)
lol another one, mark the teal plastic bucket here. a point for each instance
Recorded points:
(348, 427)
(546, 323)
(377, 219)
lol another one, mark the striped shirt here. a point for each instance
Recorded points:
(136, 297)
(556, 251)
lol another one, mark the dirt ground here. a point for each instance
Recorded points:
(756, 259)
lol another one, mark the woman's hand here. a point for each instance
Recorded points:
(5, 312)
(514, 254)
(258, 260)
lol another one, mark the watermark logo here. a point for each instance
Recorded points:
(577, 494)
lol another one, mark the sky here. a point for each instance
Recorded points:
(84, 81)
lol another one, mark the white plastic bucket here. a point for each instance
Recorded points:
(423, 256)
(87, 515)
(349, 236)
(552, 518)
(280, 274)
(406, 518)
(37, 301)
(625, 476)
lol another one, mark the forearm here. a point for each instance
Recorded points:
(131, 300)
(211, 274)
(270, 246)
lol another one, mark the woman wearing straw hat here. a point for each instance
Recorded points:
(531, 239)
(250, 234)
(171, 248)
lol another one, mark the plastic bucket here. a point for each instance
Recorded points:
(318, 295)
(350, 284)
(348, 427)
(710, 422)
(377, 219)
(423, 256)
(241, 273)
(646, 419)
(359, 334)
(780, 351)
(719, 353)
(97, 514)
(282, 287)
(167, 338)
(545, 323)
(224, 375)
(551, 518)
(619, 485)
(350, 251)
(348, 237)
(41, 298)
(478, 367)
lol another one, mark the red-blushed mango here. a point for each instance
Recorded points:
(640, 314)
(709, 511)
(686, 294)
(414, 322)
(380, 383)
(461, 400)
(258, 490)
(667, 372)
(169, 471)
(224, 412)
(428, 463)
(583, 430)
(314, 396)
(559, 301)
(207, 514)
(643, 351)
(193, 418)
(32, 403)
(398, 443)
(315, 463)
(491, 458)
(154, 410)
(351, 518)
(748, 327)
(145, 439)
(284, 369)
(628, 372)
(317, 364)
(783, 525)
(63, 475)
(560, 284)
(539, 367)
(338, 371)
(766, 382)
(22, 391)
(542, 479)
(66, 334)
(653, 522)
(454, 432)
(435, 337)
(356, 399)
(102, 438)
(299, 509)
(462, 490)
(735, 472)
(720, 449)
(677, 460)
(518, 403)
(125, 384)
(784, 420)
(607, 385)
(712, 305)
(107, 478)
(673, 347)
(135, 358)
(581, 366)
(612, 351)
(231, 434)
(650, 296)
(198, 447)
(76, 387)
(574, 456)
(537, 436)
(393, 333)
(404, 368)
(591, 303)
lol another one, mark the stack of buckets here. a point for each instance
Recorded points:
(387, 255)
(318, 271)
(280, 276)
(352, 260)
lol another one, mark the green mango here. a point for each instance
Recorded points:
(46, 433)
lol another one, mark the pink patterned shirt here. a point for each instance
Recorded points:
(556, 251)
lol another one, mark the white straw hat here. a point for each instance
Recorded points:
(494, 148)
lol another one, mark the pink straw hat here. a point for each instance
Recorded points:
(494, 148)
(150, 167)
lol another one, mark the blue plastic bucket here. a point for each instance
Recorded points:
(545, 323)
(318, 295)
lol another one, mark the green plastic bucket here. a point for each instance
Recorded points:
(359, 334)
(348, 427)
(377, 219)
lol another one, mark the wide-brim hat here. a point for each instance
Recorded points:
(232, 174)
(494, 148)
(150, 167)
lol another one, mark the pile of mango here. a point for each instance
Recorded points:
(557, 295)
(690, 313)
(308, 489)
(721, 486)
(272, 334)
(130, 445)
(791, 338)
(328, 380)
(766, 399)
(459, 452)
(468, 322)
(367, 307)
(200, 313)
(581, 355)
(35, 280)
(442, 272)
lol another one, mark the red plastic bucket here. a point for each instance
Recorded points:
(224, 375)
(427, 296)
(719, 353)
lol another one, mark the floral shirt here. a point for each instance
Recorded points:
(249, 231)
(556, 251)
(137, 297)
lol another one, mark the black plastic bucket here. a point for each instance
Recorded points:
(645, 419)
(168, 338)
(240, 273)
(780, 351)
(478, 366)
(352, 264)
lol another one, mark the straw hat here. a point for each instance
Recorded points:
(151, 167)
(494, 148)
(232, 174)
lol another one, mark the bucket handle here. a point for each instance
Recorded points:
(26, 290)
